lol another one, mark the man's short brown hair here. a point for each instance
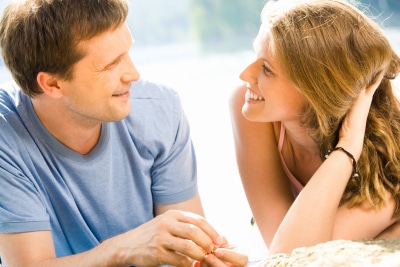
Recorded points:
(42, 35)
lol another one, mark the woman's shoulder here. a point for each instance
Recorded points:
(277, 128)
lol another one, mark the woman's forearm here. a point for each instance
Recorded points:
(310, 220)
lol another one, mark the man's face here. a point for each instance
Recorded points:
(99, 90)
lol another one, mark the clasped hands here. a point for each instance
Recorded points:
(177, 238)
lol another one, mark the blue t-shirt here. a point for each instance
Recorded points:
(144, 159)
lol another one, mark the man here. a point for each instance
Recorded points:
(89, 153)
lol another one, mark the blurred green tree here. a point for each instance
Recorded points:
(225, 24)
(232, 24)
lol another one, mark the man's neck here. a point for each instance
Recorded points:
(78, 135)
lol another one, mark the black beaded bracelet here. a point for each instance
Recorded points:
(355, 170)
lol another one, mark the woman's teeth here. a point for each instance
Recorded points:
(255, 97)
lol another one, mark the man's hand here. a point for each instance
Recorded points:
(174, 238)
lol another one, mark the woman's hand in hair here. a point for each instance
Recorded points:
(351, 135)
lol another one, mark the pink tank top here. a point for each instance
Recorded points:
(295, 185)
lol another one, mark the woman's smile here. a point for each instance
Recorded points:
(252, 97)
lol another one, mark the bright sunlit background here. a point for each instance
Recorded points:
(199, 47)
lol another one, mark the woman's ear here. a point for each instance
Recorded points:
(49, 84)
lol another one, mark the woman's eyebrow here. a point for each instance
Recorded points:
(267, 63)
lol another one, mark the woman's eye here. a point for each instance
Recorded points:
(267, 70)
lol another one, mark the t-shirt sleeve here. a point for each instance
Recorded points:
(21, 208)
(174, 174)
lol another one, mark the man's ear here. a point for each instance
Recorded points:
(49, 84)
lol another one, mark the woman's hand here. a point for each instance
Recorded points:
(226, 255)
(351, 135)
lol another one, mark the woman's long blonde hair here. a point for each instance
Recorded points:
(331, 51)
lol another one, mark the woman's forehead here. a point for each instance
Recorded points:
(263, 41)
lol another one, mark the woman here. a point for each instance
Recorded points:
(317, 126)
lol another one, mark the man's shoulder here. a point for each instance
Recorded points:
(11, 119)
(151, 90)
(156, 112)
(9, 97)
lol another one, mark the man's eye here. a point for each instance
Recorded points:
(112, 64)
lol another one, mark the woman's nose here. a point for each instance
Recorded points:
(249, 74)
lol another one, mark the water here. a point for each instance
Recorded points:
(205, 82)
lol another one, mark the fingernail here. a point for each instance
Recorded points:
(219, 253)
(196, 264)
(220, 241)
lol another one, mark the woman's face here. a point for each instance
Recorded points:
(270, 95)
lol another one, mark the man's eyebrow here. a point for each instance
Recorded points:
(118, 58)
(115, 60)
